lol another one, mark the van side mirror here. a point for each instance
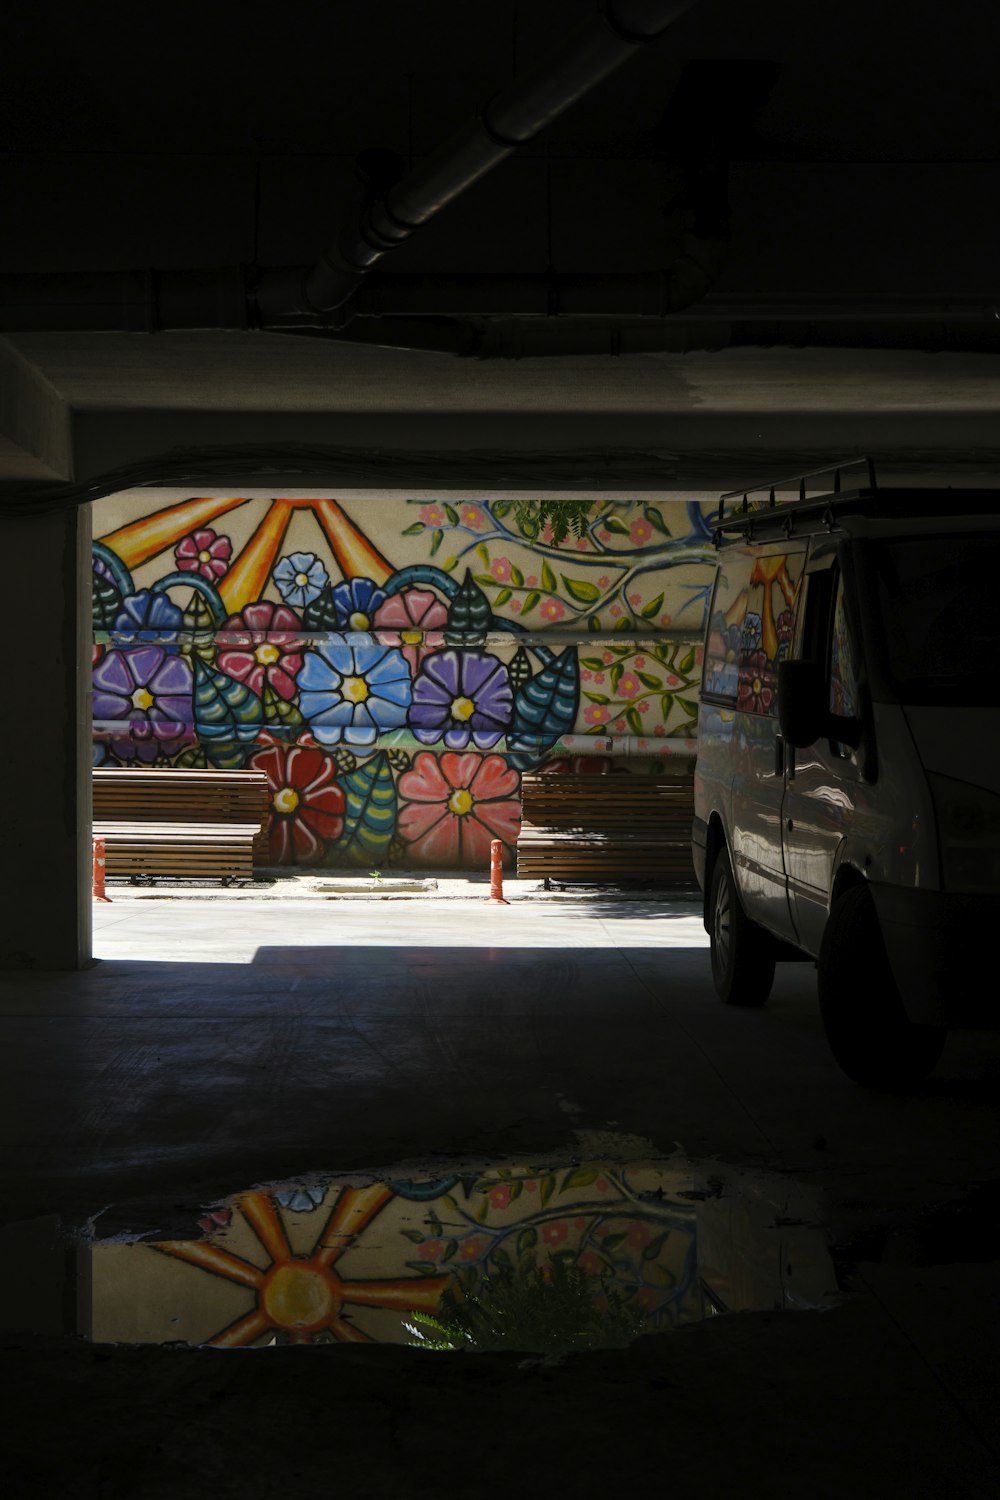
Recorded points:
(802, 709)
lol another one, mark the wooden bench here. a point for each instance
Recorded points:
(207, 825)
(615, 829)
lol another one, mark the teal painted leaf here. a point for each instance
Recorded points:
(469, 615)
(106, 603)
(545, 706)
(227, 716)
(519, 668)
(321, 614)
(369, 812)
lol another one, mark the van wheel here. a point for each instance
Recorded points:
(864, 1018)
(743, 954)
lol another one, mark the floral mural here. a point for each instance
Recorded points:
(394, 704)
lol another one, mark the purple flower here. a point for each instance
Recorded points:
(147, 617)
(355, 603)
(142, 696)
(461, 695)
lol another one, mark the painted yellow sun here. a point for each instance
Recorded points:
(299, 1295)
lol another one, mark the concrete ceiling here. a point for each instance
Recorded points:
(857, 156)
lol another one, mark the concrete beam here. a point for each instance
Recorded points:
(35, 426)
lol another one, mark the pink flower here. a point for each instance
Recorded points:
(552, 609)
(646, 1298)
(640, 661)
(605, 534)
(638, 1235)
(580, 1223)
(530, 1185)
(635, 599)
(500, 1195)
(431, 1250)
(607, 657)
(472, 1245)
(628, 686)
(500, 569)
(596, 713)
(619, 723)
(603, 581)
(472, 516)
(554, 1233)
(411, 619)
(598, 676)
(643, 706)
(639, 532)
(673, 680)
(515, 605)
(659, 729)
(602, 1182)
(581, 544)
(665, 619)
(432, 515)
(616, 609)
(455, 804)
(590, 1263)
(260, 646)
(205, 553)
(531, 580)
(546, 532)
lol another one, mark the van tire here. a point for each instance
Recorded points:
(864, 1018)
(743, 954)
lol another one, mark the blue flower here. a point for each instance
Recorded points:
(300, 578)
(751, 636)
(147, 617)
(350, 688)
(301, 1200)
(355, 603)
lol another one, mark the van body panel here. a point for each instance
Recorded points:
(959, 742)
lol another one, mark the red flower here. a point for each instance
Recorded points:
(554, 1233)
(755, 684)
(260, 645)
(307, 804)
(456, 804)
(205, 553)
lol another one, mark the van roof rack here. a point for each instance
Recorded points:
(795, 482)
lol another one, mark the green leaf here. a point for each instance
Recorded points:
(469, 614)
(688, 662)
(650, 681)
(193, 757)
(452, 514)
(422, 1267)
(624, 624)
(548, 578)
(483, 552)
(501, 508)
(415, 529)
(615, 524)
(656, 520)
(634, 719)
(579, 1177)
(689, 706)
(581, 589)
(436, 539)
(612, 1241)
(516, 576)
(530, 600)
(652, 608)
(527, 1239)
(450, 564)
(617, 669)
(594, 623)
(592, 663)
(546, 1188)
(486, 578)
(595, 697)
(414, 1235)
(654, 1247)
(502, 597)
(449, 1250)
(369, 812)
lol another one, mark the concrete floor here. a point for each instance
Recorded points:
(222, 1043)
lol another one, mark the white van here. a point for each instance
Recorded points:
(847, 786)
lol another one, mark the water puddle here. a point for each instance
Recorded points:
(588, 1255)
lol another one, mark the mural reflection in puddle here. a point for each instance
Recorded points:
(590, 1255)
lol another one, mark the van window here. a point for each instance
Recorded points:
(768, 629)
(844, 696)
(722, 646)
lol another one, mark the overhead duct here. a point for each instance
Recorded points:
(511, 118)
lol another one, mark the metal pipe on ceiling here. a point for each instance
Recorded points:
(510, 119)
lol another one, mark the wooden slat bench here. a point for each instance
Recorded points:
(614, 829)
(189, 823)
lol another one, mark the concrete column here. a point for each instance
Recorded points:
(45, 789)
